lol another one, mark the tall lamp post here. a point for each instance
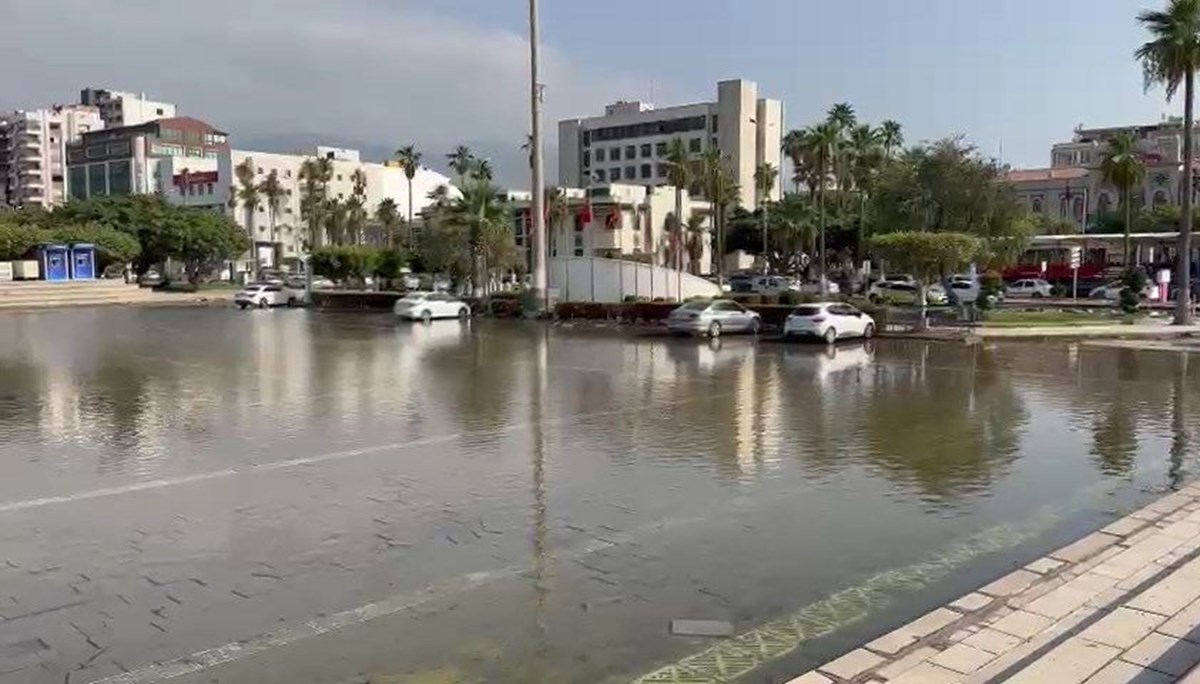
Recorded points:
(541, 292)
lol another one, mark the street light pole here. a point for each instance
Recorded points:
(541, 292)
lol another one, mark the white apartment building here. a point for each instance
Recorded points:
(628, 144)
(617, 220)
(119, 108)
(1073, 186)
(383, 181)
(33, 152)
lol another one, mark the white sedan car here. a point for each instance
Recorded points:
(830, 321)
(426, 306)
(1030, 287)
(262, 295)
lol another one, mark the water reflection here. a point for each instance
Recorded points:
(588, 486)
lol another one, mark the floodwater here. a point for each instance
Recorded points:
(206, 495)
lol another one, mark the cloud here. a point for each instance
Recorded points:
(347, 70)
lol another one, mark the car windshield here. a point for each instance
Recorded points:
(806, 311)
(696, 306)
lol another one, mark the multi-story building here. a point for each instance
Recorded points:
(125, 109)
(33, 148)
(1073, 186)
(167, 156)
(618, 220)
(628, 144)
(286, 240)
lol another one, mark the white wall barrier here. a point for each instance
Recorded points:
(593, 279)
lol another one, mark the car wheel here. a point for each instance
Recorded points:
(242, 306)
(869, 331)
(262, 303)
(830, 336)
(291, 302)
(714, 329)
(1037, 295)
(755, 326)
(464, 313)
(426, 317)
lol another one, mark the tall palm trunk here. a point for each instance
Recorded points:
(1183, 302)
(766, 268)
(271, 224)
(677, 246)
(1128, 251)
(411, 228)
(822, 283)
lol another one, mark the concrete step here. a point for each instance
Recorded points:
(41, 295)
(104, 300)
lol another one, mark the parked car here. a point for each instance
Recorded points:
(426, 306)
(967, 289)
(901, 292)
(1029, 287)
(1112, 291)
(262, 295)
(829, 321)
(712, 317)
(815, 288)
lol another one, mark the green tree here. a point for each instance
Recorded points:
(248, 197)
(273, 192)
(461, 162)
(928, 256)
(356, 207)
(410, 161)
(795, 148)
(765, 177)
(1123, 168)
(336, 214)
(388, 216)
(1170, 58)
(821, 150)
(866, 158)
(680, 176)
(891, 137)
(557, 213)
(315, 175)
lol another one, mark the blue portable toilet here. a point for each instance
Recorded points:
(54, 262)
(83, 261)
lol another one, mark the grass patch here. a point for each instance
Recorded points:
(1007, 318)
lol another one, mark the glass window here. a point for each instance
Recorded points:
(77, 182)
(600, 173)
(578, 251)
(630, 172)
(97, 180)
(287, 173)
(119, 181)
(694, 145)
(714, 123)
(599, 154)
(647, 171)
(615, 154)
(662, 170)
(339, 176)
(615, 174)
(660, 150)
(646, 150)
(631, 152)
(587, 158)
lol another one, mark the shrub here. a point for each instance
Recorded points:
(1133, 281)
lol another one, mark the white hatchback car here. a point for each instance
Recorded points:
(829, 321)
(1029, 287)
(261, 295)
(426, 306)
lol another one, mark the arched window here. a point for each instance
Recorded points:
(1037, 205)
(1078, 209)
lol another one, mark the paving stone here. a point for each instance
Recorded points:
(920, 628)
(928, 673)
(1125, 527)
(1086, 547)
(1148, 514)
(993, 641)
(1144, 553)
(1138, 578)
(1072, 662)
(1043, 566)
(1022, 624)
(907, 663)
(1011, 584)
(1121, 672)
(1182, 529)
(963, 658)
(1164, 654)
(972, 602)
(1185, 624)
(811, 678)
(1140, 537)
(1123, 628)
(1071, 596)
(1179, 589)
(852, 664)
(1106, 598)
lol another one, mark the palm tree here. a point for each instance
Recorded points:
(273, 192)
(335, 220)
(557, 213)
(314, 191)
(793, 149)
(1123, 168)
(679, 174)
(356, 207)
(725, 193)
(764, 183)
(866, 156)
(891, 136)
(1171, 59)
(821, 147)
(388, 216)
(695, 242)
(486, 220)
(248, 197)
(842, 116)
(482, 170)
(461, 162)
(410, 161)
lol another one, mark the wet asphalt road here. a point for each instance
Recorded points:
(203, 495)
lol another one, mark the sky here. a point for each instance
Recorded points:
(1012, 76)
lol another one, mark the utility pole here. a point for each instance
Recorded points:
(541, 291)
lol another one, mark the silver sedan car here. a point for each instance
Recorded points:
(713, 317)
